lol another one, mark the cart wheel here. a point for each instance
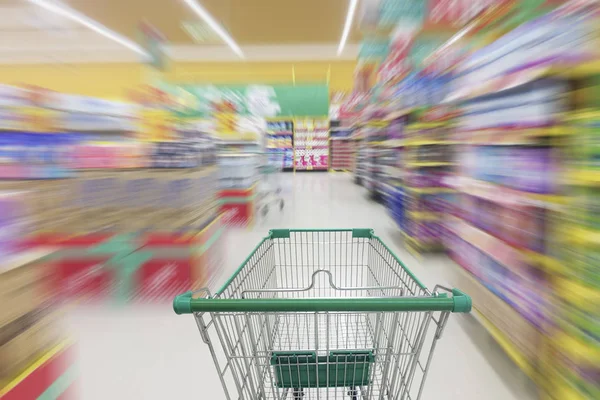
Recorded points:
(264, 211)
(298, 393)
(281, 204)
(353, 393)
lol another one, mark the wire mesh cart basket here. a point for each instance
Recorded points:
(322, 314)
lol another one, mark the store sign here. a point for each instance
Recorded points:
(161, 278)
(374, 49)
(83, 277)
(257, 100)
(402, 12)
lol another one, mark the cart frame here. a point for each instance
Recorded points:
(277, 330)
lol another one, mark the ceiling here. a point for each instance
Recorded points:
(249, 22)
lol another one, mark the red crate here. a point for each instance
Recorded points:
(87, 277)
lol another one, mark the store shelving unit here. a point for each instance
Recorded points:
(342, 154)
(341, 150)
(522, 225)
(311, 144)
(428, 159)
(499, 231)
(280, 143)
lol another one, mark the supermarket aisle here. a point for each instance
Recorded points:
(151, 353)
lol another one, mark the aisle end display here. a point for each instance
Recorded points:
(311, 144)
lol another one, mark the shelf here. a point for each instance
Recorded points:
(521, 76)
(509, 348)
(312, 168)
(500, 84)
(427, 125)
(397, 114)
(418, 243)
(311, 147)
(424, 216)
(514, 136)
(501, 194)
(579, 352)
(505, 254)
(580, 70)
(394, 143)
(415, 143)
(545, 262)
(428, 190)
(583, 178)
(377, 123)
(514, 333)
(582, 296)
(426, 164)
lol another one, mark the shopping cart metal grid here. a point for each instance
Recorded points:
(322, 314)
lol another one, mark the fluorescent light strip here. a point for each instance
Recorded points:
(214, 25)
(347, 25)
(90, 23)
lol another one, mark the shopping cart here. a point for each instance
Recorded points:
(269, 192)
(322, 314)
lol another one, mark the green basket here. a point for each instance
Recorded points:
(306, 370)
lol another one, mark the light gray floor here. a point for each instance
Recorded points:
(150, 353)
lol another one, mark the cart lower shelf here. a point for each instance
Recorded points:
(347, 336)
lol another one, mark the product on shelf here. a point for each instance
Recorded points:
(238, 171)
(311, 144)
(342, 153)
(280, 127)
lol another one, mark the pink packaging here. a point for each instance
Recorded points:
(13, 221)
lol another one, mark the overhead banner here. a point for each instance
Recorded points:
(202, 101)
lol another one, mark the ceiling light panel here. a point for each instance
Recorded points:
(347, 25)
(89, 23)
(215, 26)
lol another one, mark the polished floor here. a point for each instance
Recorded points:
(150, 353)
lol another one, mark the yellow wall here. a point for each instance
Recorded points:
(115, 80)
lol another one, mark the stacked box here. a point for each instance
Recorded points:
(27, 318)
(237, 206)
(145, 266)
(118, 201)
(172, 265)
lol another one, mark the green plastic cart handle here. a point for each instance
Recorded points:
(460, 302)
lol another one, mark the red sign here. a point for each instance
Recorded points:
(237, 214)
(163, 278)
(83, 277)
